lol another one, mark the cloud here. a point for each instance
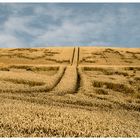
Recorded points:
(9, 41)
(15, 24)
(31, 25)
(53, 11)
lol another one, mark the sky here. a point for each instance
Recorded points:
(69, 24)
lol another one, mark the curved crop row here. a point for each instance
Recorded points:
(68, 83)
(34, 82)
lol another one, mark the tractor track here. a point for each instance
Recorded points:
(72, 56)
(75, 63)
(70, 81)
(75, 57)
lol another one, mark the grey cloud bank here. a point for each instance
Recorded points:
(59, 24)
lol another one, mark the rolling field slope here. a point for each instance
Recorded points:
(70, 92)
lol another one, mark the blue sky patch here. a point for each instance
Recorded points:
(68, 24)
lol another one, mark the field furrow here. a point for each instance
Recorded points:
(76, 56)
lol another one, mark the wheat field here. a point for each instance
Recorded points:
(70, 92)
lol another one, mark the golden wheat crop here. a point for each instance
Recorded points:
(28, 81)
(86, 83)
(68, 83)
(70, 92)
